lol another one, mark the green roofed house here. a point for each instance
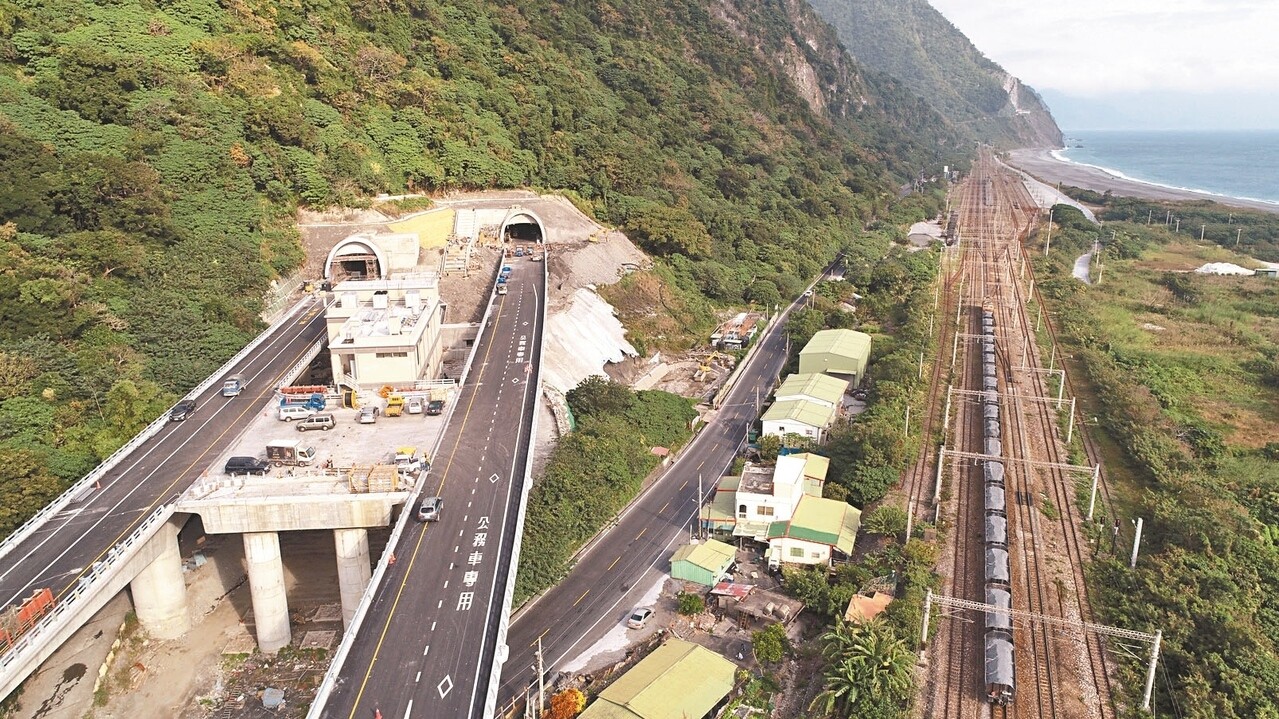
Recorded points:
(706, 563)
(820, 530)
(839, 353)
(815, 387)
(679, 680)
(799, 416)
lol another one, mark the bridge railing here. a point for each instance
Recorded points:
(379, 573)
(501, 652)
(68, 605)
(110, 463)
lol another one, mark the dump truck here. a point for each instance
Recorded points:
(394, 405)
(233, 385)
(289, 451)
(408, 463)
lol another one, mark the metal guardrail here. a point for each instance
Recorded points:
(108, 464)
(501, 652)
(67, 605)
(379, 573)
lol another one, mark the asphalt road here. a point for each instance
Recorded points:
(58, 553)
(429, 638)
(611, 576)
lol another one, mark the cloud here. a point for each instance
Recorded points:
(1093, 48)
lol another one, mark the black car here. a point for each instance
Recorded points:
(246, 465)
(182, 410)
(435, 406)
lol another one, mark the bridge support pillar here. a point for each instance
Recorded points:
(159, 591)
(266, 585)
(354, 570)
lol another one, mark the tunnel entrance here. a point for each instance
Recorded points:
(355, 258)
(521, 225)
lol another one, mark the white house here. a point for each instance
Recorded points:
(804, 417)
(385, 331)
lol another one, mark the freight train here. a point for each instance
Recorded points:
(1000, 682)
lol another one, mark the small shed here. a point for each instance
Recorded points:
(705, 563)
(862, 609)
(839, 353)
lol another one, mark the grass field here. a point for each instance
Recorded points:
(1199, 345)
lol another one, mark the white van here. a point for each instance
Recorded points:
(290, 413)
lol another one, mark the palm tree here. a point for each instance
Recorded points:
(867, 663)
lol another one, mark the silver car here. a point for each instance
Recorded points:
(368, 415)
(429, 510)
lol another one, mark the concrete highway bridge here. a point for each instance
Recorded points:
(426, 626)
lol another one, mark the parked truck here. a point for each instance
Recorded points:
(289, 451)
(233, 385)
(394, 405)
(313, 401)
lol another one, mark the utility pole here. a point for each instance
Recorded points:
(541, 680)
(1238, 236)
(1150, 216)
(1136, 544)
(1150, 672)
(1070, 427)
(1201, 232)
(1092, 496)
(1178, 230)
(1049, 237)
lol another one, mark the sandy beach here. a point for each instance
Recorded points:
(1040, 163)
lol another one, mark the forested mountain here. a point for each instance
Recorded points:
(153, 152)
(912, 42)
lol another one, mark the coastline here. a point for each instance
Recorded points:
(1052, 170)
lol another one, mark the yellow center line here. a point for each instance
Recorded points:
(544, 631)
(685, 484)
(377, 649)
(164, 495)
(615, 561)
(579, 599)
(664, 506)
(642, 531)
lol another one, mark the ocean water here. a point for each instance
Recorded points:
(1242, 164)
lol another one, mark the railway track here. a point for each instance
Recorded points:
(1048, 549)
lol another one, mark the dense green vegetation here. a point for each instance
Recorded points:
(1180, 369)
(862, 673)
(152, 155)
(594, 471)
(869, 452)
(1249, 232)
(912, 42)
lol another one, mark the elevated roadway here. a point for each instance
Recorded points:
(60, 548)
(431, 633)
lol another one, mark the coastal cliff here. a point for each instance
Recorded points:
(914, 44)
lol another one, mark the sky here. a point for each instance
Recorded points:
(1136, 64)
